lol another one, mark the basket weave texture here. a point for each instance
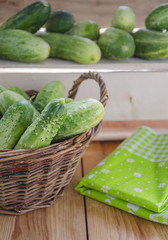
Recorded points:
(35, 178)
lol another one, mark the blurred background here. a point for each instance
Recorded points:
(100, 11)
(137, 88)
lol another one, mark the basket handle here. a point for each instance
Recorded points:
(90, 75)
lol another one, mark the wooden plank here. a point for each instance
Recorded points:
(105, 222)
(125, 81)
(98, 10)
(120, 130)
(128, 98)
(65, 219)
(7, 224)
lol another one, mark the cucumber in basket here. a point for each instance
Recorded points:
(52, 90)
(19, 91)
(82, 115)
(41, 132)
(22, 46)
(2, 88)
(7, 98)
(31, 18)
(14, 122)
(78, 49)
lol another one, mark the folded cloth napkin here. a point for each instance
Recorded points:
(134, 177)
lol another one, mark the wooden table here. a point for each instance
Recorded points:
(74, 217)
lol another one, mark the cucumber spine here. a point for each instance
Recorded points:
(41, 132)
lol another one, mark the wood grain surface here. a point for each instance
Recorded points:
(74, 217)
(120, 130)
(105, 222)
(64, 220)
(98, 10)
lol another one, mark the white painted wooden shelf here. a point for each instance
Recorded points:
(63, 66)
(137, 88)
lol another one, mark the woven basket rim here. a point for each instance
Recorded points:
(53, 145)
(15, 155)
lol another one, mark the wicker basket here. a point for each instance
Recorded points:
(35, 178)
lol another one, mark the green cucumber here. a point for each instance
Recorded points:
(124, 18)
(22, 46)
(68, 100)
(157, 19)
(78, 49)
(41, 132)
(52, 90)
(60, 21)
(151, 44)
(8, 98)
(116, 44)
(19, 91)
(14, 122)
(87, 28)
(82, 115)
(2, 88)
(31, 18)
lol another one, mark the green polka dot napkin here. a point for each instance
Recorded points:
(134, 177)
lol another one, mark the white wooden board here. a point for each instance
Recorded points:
(137, 88)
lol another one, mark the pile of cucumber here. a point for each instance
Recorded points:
(19, 41)
(122, 41)
(152, 42)
(45, 119)
(81, 41)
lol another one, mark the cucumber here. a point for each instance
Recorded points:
(78, 49)
(68, 100)
(82, 115)
(31, 18)
(52, 90)
(124, 18)
(87, 28)
(41, 132)
(60, 21)
(19, 91)
(8, 98)
(2, 88)
(157, 19)
(14, 122)
(151, 44)
(22, 46)
(116, 44)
